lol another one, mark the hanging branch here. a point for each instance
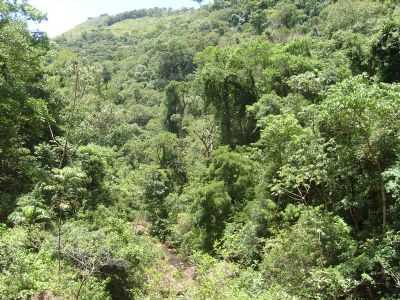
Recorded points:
(52, 135)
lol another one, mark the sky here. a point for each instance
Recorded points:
(65, 14)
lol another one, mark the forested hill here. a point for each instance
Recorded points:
(242, 150)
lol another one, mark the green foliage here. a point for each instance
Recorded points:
(227, 78)
(175, 61)
(385, 52)
(285, 14)
(26, 273)
(206, 205)
(94, 165)
(30, 210)
(100, 259)
(241, 243)
(156, 186)
(176, 104)
(243, 150)
(110, 253)
(211, 209)
(25, 108)
(316, 241)
(364, 130)
(236, 171)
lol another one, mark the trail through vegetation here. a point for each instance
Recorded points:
(183, 274)
(177, 274)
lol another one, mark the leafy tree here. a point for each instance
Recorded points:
(175, 61)
(224, 190)
(25, 108)
(176, 104)
(228, 84)
(211, 209)
(156, 186)
(30, 210)
(385, 52)
(361, 118)
(284, 14)
(392, 186)
(235, 170)
(356, 16)
(317, 241)
(94, 166)
(298, 159)
(163, 149)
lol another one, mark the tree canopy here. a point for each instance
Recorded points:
(240, 150)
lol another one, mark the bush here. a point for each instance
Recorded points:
(317, 241)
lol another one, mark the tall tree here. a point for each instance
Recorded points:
(362, 119)
(227, 78)
(25, 110)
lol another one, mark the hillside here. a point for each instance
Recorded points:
(242, 150)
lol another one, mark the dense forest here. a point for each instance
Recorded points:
(246, 149)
